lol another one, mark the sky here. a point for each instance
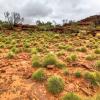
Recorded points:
(50, 10)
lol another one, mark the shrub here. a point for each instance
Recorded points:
(26, 45)
(2, 45)
(60, 53)
(55, 84)
(82, 49)
(65, 71)
(39, 75)
(98, 65)
(66, 47)
(72, 57)
(15, 50)
(97, 77)
(91, 57)
(69, 48)
(78, 74)
(36, 62)
(50, 59)
(60, 64)
(97, 51)
(71, 96)
(93, 77)
(34, 51)
(10, 55)
(61, 46)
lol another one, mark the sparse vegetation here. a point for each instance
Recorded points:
(78, 74)
(34, 51)
(55, 84)
(71, 96)
(36, 62)
(60, 64)
(72, 57)
(97, 64)
(97, 51)
(31, 56)
(91, 57)
(65, 71)
(50, 59)
(10, 55)
(39, 75)
(93, 77)
(82, 49)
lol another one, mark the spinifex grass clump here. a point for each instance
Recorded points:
(10, 55)
(26, 44)
(78, 74)
(82, 49)
(50, 59)
(34, 51)
(66, 47)
(55, 84)
(15, 49)
(65, 71)
(72, 57)
(71, 96)
(39, 75)
(91, 57)
(60, 53)
(97, 64)
(93, 77)
(36, 61)
(2, 45)
(97, 51)
(60, 64)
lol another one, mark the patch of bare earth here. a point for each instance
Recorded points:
(16, 82)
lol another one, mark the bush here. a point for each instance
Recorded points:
(69, 48)
(36, 62)
(26, 45)
(34, 51)
(90, 57)
(71, 96)
(65, 71)
(60, 53)
(15, 50)
(39, 75)
(72, 57)
(2, 45)
(10, 55)
(97, 51)
(50, 59)
(55, 84)
(82, 49)
(66, 47)
(60, 64)
(98, 65)
(93, 77)
(78, 74)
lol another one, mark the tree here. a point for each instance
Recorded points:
(13, 18)
(65, 21)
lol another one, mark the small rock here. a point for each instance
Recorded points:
(50, 66)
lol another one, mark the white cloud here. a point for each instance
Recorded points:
(51, 9)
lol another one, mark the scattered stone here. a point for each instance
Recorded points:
(50, 66)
